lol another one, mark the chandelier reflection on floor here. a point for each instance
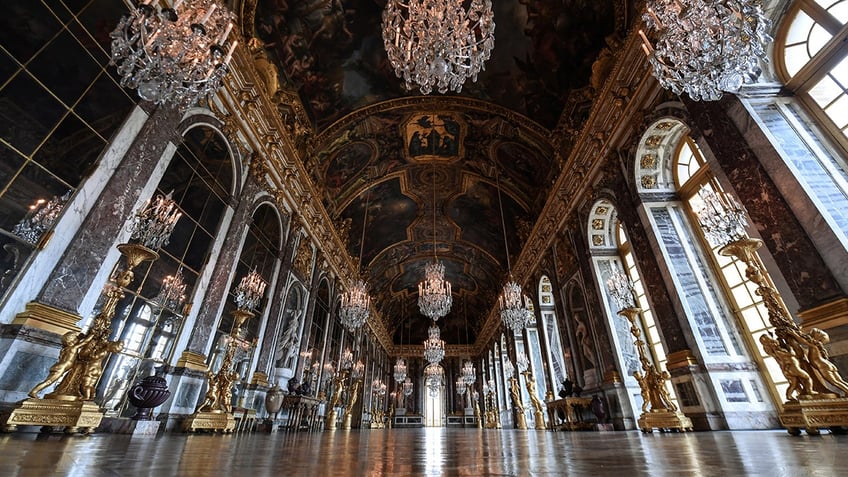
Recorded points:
(706, 47)
(174, 55)
(438, 44)
(434, 346)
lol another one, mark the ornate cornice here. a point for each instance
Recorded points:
(245, 107)
(629, 90)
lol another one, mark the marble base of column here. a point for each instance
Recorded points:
(48, 318)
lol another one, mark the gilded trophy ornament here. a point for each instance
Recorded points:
(538, 413)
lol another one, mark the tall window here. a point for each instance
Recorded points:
(199, 177)
(612, 253)
(814, 63)
(692, 176)
(550, 328)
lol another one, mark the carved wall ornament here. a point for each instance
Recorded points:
(649, 182)
(653, 141)
(648, 161)
(303, 258)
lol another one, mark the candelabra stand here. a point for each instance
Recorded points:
(355, 390)
(811, 403)
(475, 399)
(338, 389)
(515, 393)
(538, 413)
(657, 409)
(216, 411)
(80, 364)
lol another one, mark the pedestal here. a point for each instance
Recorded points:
(812, 415)
(539, 417)
(122, 425)
(74, 416)
(347, 421)
(664, 421)
(330, 424)
(210, 421)
(520, 421)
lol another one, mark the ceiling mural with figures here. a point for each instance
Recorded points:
(375, 150)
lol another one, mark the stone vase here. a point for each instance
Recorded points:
(151, 392)
(274, 400)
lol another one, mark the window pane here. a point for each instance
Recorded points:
(818, 38)
(825, 91)
(838, 10)
(795, 58)
(838, 112)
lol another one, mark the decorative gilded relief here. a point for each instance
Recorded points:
(653, 141)
(597, 240)
(303, 258)
(648, 161)
(649, 182)
(597, 224)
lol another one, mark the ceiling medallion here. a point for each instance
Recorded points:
(174, 55)
(438, 43)
(705, 48)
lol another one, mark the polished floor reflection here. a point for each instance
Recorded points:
(426, 452)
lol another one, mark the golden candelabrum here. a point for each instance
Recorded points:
(517, 404)
(338, 388)
(493, 414)
(658, 410)
(817, 395)
(80, 364)
(538, 413)
(215, 413)
(353, 396)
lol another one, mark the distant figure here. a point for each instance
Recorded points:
(598, 408)
(292, 386)
(567, 388)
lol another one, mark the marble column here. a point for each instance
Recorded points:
(74, 274)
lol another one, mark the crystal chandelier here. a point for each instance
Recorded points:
(249, 291)
(468, 373)
(514, 307)
(355, 306)
(358, 370)
(40, 218)
(508, 368)
(434, 375)
(174, 55)
(434, 346)
(706, 47)
(172, 293)
(153, 224)
(434, 293)
(460, 386)
(438, 43)
(721, 217)
(621, 290)
(400, 370)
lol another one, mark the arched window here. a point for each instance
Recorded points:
(711, 289)
(814, 62)
(611, 253)
(200, 179)
(557, 371)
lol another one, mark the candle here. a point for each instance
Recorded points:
(209, 13)
(230, 53)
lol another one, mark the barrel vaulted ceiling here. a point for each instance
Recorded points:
(377, 149)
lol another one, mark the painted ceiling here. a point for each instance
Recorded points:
(396, 157)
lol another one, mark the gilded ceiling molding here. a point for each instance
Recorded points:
(539, 133)
(609, 123)
(244, 104)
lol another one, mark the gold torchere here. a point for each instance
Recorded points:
(216, 412)
(817, 396)
(338, 389)
(515, 393)
(538, 414)
(657, 409)
(355, 388)
(80, 364)
(477, 416)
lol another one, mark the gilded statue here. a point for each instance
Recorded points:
(652, 385)
(531, 389)
(93, 367)
(817, 355)
(68, 356)
(800, 382)
(354, 394)
(515, 394)
(210, 402)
